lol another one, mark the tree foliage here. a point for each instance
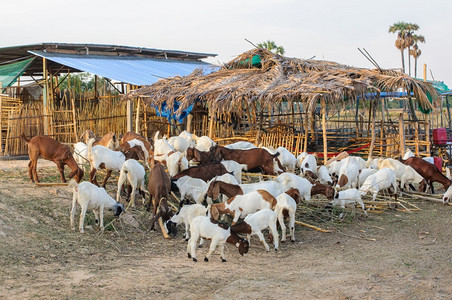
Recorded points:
(271, 45)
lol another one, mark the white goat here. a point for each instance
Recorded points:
(350, 196)
(273, 187)
(220, 234)
(348, 174)
(289, 180)
(286, 202)
(192, 188)
(176, 162)
(179, 143)
(255, 223)
(81, 153)
(97, 155)
(189, 138)
(204, 143)
(240, 206)
(287, 159)
(134, 172)
(241, 146)
(92, 197)
(300, 158)
(381, 180)
(404, 173)
(235, 167)
(309, 163)
(324, 176)
(364, 174)
(161, 148)
(185, 216)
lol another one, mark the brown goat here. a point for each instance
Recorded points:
(323, 189)
(109, 140)
(429, 171)
(253, 158)
(201, 157)
(220, 187)
(205, 172)
(50, 149)
(132, 135)
(159, 188)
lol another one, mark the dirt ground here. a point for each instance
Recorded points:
(40, 257)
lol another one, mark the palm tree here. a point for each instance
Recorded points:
(411, 28)
(400, 29)
(271, 45)
(416, 52)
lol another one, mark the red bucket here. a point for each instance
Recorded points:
(440, 136)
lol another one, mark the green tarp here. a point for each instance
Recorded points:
(10, 72)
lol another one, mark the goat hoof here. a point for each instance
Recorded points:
(186, 240)
(200, 246)
(194, 259)
(97, 221)
(283, 241)
(293, 241)
(276, 249)
(206, 259)
(189, 255)
(223, 260)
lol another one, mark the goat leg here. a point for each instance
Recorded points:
(106, 178)
(60, 166)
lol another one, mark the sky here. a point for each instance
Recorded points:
(327, 29)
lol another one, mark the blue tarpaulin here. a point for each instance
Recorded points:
(129, 69)
(168, 113)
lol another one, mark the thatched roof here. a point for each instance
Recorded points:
(278, 79)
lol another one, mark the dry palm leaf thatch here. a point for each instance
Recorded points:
(275, 79)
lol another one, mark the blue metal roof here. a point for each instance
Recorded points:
(129, 69)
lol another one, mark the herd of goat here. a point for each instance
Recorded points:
(210, 177)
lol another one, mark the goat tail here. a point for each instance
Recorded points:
(276, 154)
(25, 138)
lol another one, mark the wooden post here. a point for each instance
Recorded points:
(416, 137)
(401, 135)
(427, 136)
(306, 130)
(372, 143)
(75, 120)
(129, 112)
(381, 138)
(189, 122)
(212, 117)
(325, 149)
(137, 117)
(45, 96)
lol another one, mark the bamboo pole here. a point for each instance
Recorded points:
(312, 227)
(325, 142)
(211, 123)
(401, 135)
(44, 96)
(416, 138)
(306, 130)
(137, 118)
(372, 143)
(129, 112)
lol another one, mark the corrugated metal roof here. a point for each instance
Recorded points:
(129, 69)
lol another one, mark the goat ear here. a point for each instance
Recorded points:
(216, 191)
(214, 213)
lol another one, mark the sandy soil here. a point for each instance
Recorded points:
(42, 258)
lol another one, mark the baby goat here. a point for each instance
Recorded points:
(185, 215)
(255, 223)
(134, 172)
(92, 197)
(219, 233)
